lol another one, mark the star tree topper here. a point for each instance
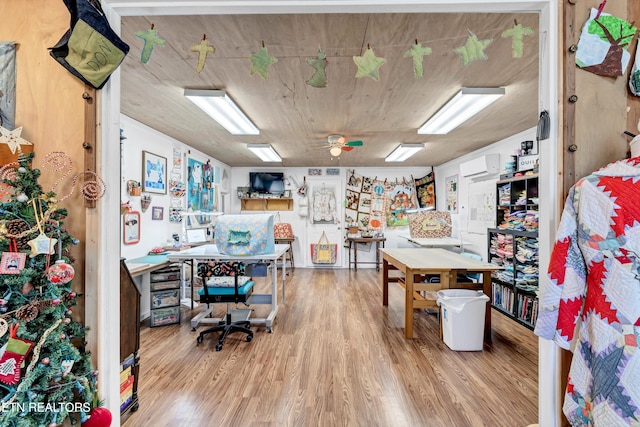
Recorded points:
(368, 64)
(12, 139)
(417, 52)
(473, 49)
(260, 61)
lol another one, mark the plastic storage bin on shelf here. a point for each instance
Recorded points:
(462, 317)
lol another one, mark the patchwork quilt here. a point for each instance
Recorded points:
(590, 300)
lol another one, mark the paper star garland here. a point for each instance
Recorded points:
(260, 61)
(517, 34)
(151, 39)
(473, 49)
(12, 139)
(203, 48)
(417, 52)
(368, 64)
(319, 63)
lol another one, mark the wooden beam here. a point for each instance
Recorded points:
(89, 143)
(570, 35)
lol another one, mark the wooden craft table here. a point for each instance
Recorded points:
(289, 253)
(435, 242)
(353, 244)
(420, 261)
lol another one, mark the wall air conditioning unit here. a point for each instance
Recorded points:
(481, 167)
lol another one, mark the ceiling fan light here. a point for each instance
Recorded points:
(335, 151)
(468, 102)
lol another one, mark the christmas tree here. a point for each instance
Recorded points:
(45, 372)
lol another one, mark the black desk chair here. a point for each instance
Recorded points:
(238, 293)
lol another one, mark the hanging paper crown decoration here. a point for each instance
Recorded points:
(368, 64)
(260, 61)
(151, 39)
(13, 139)
(319, 63)
(417, 52)
(203, 48)
(473, 49)
(517, 33)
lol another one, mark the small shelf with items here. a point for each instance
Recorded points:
(165, 296)
(266, 204)
(513, 245)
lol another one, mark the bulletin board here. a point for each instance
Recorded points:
(481, 206)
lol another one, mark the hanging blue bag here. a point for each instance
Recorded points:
(90, 49)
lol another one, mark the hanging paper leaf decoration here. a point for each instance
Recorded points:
(417, 52)
(517, 34)
(473, 49)
(319, 63)
(151, 39)
(203, 48)
(260, 61)
(368, 64)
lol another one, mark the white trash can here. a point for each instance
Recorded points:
(462, 317)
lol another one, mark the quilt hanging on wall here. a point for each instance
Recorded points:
(7, 85)
(362, 209)
(401, 196)
(426, 191)
(200, 187)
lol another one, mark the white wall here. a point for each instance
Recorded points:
(240, 178)
(140, 138)
(505, 148)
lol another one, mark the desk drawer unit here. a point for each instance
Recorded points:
(165, 296)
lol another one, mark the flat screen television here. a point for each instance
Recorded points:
(266, 182)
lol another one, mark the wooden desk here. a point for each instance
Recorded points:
(290, 251)
(415, 261)
(356, 240)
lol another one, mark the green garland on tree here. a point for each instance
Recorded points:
(45, 371)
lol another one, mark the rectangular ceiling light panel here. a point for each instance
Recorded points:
(464, 105)
(222, 109)
(403, 152)
(265, 152)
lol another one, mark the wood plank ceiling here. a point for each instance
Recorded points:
(296, 118)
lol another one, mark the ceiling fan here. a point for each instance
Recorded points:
(338, 143)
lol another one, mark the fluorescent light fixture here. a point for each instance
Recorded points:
(403, 152)
(464, 105)
(265, 152)
(222, 109)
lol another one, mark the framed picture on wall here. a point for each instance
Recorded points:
(157, 213)
(451, 185)
(131, 228)
(154, 173)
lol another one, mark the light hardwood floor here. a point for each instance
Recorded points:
(336, 357)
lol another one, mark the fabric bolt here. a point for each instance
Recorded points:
(593, 282)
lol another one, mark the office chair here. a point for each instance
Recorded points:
(213, 274)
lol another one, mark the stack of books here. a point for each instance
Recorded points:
(126, 383)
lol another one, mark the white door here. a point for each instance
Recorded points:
(326, 194)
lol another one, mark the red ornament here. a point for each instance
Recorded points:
(99, 417)
(60, 272)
